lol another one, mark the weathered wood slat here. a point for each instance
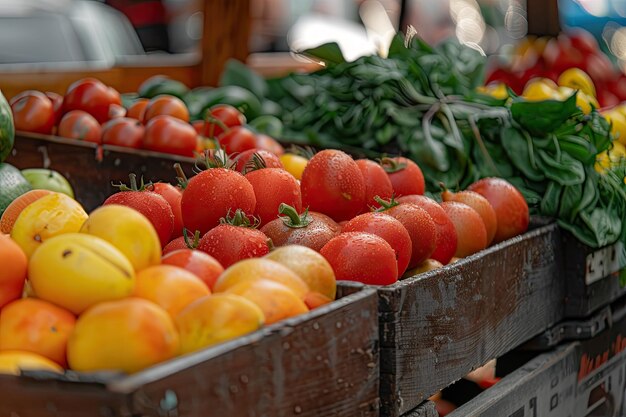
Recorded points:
(439, 326)
(426, 409)
(322, 363)
(580, 379)
(92, 170)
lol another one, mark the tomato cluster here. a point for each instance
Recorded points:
(92, 112)
(370, 220)
(550, 57)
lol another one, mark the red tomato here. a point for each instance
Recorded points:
(582, 40)
(33, 112)
(230, 244)
(170, 135)
(269, 144)
(138, 109)
(80, 125)
(390, 229)
(377, 182)
(173, 196)
(362, 257)
(421, 228)
(220, 118)
(246, 158)
(204, 266)
(332, 184)
(123, 131)
(92, 96)
(166, 105)
(211, 194)
(57, 105)
(405, 176)
(312, 230)
(151, 205)
(237, 139)
(273, 187)
(446, 232)
(199, 126)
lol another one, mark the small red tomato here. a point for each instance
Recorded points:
(123, 131)
(204, 266)
(421, 228)
(199, 126)
(229, 243)
(390, 229)
(237, 139)
(377, 183)
(138, 109)
(406, 177)
(80, 125)
(33, 112)
(310, 229)
(57, 105)
(245, 160)
(212, 194)
(332, 184)
(220, 118)
(91, 96)
(446, 232)
(173, 196)
(269, 144)
(362, 257)
(166, 105)
(151, 205)
(273, 187)
(170, 135)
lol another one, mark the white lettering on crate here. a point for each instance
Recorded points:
(604, 262)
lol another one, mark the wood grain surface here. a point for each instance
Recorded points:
(439, 326)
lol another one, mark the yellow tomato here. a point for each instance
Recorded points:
(583, 101)
(294, 164)
(577, 79)
(76, 271)
(216, 318)
(540, 89)
(50, 216)
(129, 231)
(495, 90)
(12, 361)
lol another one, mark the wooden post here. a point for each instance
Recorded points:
(543, 17)
(225, 34)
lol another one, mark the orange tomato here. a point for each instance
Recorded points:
(36, 326)
(15, 208)
(14, 265)
(138, 109)
(170, 287)
(166, 105)
(204, 266)
(126, 335)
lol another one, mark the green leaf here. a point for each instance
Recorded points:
(239, 74)
(570, 199)
(567, 171)
(551, 200)
(578, 148)
(605, 225)
(521, 153)
(542, 117)
(328, 52)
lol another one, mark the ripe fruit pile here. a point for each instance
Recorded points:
(92, 112)
(552, 57)
(76, 287)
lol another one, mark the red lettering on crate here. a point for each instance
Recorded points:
(588, 365)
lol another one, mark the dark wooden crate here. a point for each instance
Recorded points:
(323, 363)
(591, 276)
(578, 379)
(91, 169)
(426, 409)
(438, 326)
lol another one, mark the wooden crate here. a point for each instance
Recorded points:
(438, 326)
(91, 169)
(591, 276)
(426, 409)
(579, 379)
(323, 363)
